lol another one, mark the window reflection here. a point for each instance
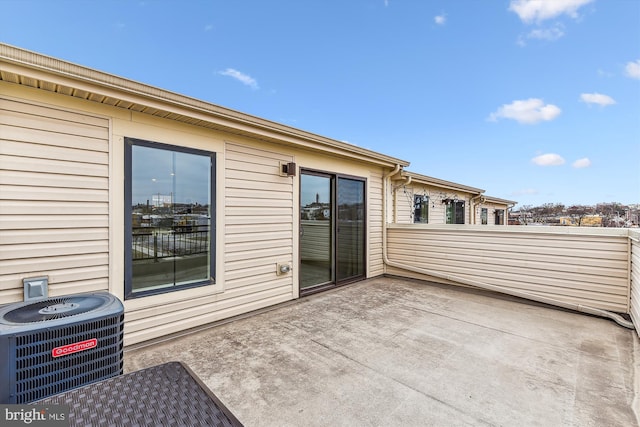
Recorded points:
(170, 218)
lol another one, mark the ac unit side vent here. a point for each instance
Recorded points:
(39, 343)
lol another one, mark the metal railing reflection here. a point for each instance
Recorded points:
(157, 243)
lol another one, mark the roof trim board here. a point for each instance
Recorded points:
(31, 69)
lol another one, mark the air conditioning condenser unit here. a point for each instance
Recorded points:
(53, 345)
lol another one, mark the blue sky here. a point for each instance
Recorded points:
(533, 101)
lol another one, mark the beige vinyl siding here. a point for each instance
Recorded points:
(437, 210)
(634, 277)
(54, 199)
(318, 238)
(582, 267)
(258, 211)
(374, 217)
(491, 213)
(255, 212)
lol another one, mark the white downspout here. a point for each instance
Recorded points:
(472, 212)
(474, 283)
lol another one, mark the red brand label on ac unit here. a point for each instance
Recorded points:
(74, 348)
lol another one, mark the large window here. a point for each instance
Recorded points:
(455, 211)
(499, 217)
(421, 208)
(169, 218)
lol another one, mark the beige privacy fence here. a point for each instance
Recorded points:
(634, 276)
(591, 267)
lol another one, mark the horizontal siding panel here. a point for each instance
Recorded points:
(253, 155)
(10, 296)
(216, 302)
(51, 124)
(80, 286)
(9, 105)
(243, 166)
(528, 246)
(258, 236)
(264, 211)
(251, 176)
(10, 237)
(31, 222)
(255, 203)
(239, 220)
(502, 260)
(251, 245)
(596, 243)
(256, 228)
(10, 281)
(248, 265)
(566, 258)
(146, 318)
(278, 188)
(533, 277)
(251, 282)
(596, 302)
(52, 180)
(47, 138)
(13, 192)
(42, 266)
(35, 250)
(280, 252)
(70, 168)
(27, 207)
(13, 148)
(252, 194)
(237, 271)
(583, 268)
(134, 334)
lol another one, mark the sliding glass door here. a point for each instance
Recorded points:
(350, 236)
(332, 230)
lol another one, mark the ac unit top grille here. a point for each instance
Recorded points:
(50, 309)
(58, 311)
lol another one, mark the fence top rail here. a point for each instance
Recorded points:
(522, 229)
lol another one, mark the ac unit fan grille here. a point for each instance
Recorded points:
(39, 375)
(51, 309)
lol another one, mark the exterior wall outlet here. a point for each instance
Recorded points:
(282, 269)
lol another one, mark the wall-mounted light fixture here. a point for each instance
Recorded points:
(288, 168)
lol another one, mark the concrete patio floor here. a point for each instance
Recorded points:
(396, 352)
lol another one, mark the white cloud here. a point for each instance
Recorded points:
(528, 111)
(597, 98)
(540, 10)
(632, 69)
(550, 159)
(549, 34)
(241, 77)
(440, 19)
(582, 163)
